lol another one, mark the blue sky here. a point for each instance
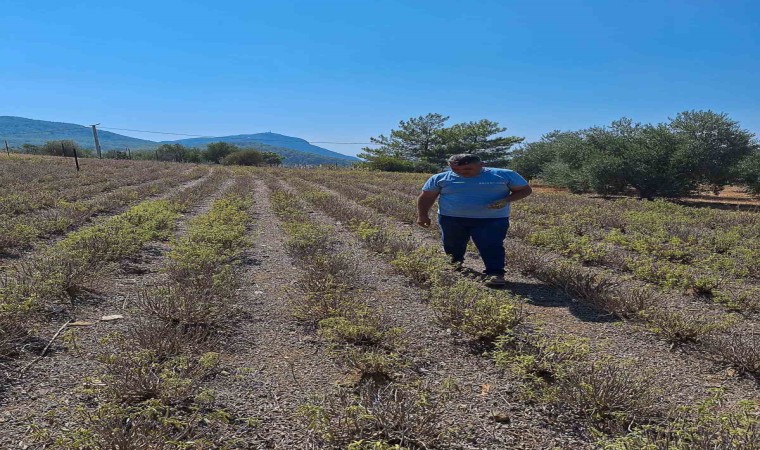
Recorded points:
(347, 70)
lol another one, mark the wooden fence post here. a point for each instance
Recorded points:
(76, 160)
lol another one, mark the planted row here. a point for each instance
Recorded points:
(702, 252)
(725, 337)
(152, 391)
(23, 230)
(374, 408)
(61, 270)
(606, 394)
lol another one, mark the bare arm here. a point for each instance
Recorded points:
(518, 193)
(425, 201)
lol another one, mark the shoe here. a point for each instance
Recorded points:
(495, 281)
(457, 265)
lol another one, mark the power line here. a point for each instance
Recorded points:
(155, 132)
(257, 140)
(69, 130)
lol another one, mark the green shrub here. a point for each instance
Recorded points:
(471, 309)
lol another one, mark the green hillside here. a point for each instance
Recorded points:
(19, 130)
(271, 140)
(295, 151)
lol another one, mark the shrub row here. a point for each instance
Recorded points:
(712, 333)
(624, 299)
(21, 231)
(372, 410)
(713, 254)
(24, 197)
(59, 271)
(151, 393)
(607, 394)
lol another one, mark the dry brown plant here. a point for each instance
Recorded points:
(166, 340)
(610, 395)
(408, 416)
(202, 304)
(738, 348)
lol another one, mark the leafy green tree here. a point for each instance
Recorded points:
(415, 138)
(715, 144)
(427, 139)
(60, 148)
(272, 158)
(747, 172)
(648, 158)
(530, 159)
(194, 155)
(244, 158)
(30, 149)
(172, 152)
(475, 138)
(612, 160)
(216, 151)
(387, 164)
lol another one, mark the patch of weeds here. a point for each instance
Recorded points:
(165, 340)
(738, 348)
(424, 266)
(306, 240)
(361, 328)
(375, 238)
(678, 327)
(327, 297)
(391, 415)
(475, 311)
(13, 328)
(286, 205)
(374, 365)
(706, 426)
(337, 265)
(134, 376)
(536, 358)
(610, 395)
(374, 445)
(191, 305)
(742, 300)
(146, 426)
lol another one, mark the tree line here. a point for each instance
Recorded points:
(693, 151)
(215, 153)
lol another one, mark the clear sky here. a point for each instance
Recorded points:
(347, 70)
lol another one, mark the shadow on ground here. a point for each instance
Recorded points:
(548, 297)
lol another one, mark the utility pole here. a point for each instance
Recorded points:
(7, 150)
(95, 135)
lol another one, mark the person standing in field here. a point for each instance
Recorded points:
(474, 203)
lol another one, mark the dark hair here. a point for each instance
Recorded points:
(463, 159)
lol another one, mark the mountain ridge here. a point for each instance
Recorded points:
(21, 130)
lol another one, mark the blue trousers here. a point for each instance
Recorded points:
(487, 234)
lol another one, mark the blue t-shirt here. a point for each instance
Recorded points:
(469, 197)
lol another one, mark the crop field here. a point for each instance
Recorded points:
(150, 305)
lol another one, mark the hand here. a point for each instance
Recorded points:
(498, 204)
(423, 221)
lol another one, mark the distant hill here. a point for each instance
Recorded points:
(19, 130)
(295, 151)
(268, 139)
